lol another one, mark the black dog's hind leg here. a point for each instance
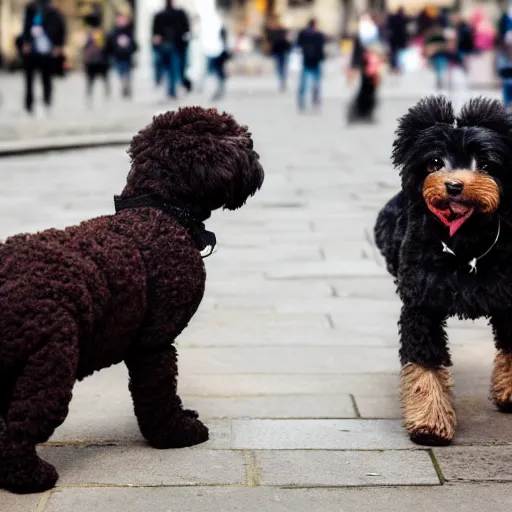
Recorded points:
(38, 405)
(159, 410)
(501, 380)
(425, 382)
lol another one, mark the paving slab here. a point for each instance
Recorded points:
(262, 287)
(345, 468)
(345, 311)
(326, 269)
(145, 466)
(258, 319)
(286, 360)
(269, 384)
(319, 435)
(445, 498)
(204, 336)
(16, 503)
(381, 288)
(475, 463)
(278, 406)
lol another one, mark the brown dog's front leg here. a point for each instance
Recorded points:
(160, 414)
(425, 382)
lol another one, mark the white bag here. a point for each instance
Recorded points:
(410, 59)
(295, 62)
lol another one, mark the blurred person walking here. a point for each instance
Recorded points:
(397, 37)
(435, 52)
(484, 33)
(171, 31)
(367, 59)
(96, 54)
(311, 43)
(465, 38)
(215, 46)
(122, 46)
(42, 39)
(280, 47)
(504, 66)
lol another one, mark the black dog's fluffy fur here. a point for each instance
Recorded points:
(434, 285)
(116, 288)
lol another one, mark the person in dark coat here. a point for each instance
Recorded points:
(311, 43)
(42, 39)
(122, 46)
(171, 30)
(96, 54)
(397, 36)
(280, 48)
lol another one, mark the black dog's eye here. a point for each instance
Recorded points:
(435, 164)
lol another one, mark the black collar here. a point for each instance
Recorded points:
(190, 220)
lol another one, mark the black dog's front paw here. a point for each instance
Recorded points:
(183, 430)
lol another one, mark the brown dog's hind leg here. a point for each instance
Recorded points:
(160, 414)
(38, 405)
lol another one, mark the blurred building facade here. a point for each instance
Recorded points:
(336, 17)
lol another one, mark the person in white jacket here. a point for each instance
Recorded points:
(213, 41)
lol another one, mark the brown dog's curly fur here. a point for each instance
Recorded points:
(117, 288)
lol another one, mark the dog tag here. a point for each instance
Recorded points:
(472, 266)
(447, 249)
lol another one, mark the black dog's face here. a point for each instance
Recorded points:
(459, 167)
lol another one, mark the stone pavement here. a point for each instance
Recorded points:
(292, 358)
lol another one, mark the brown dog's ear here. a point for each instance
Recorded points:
(426, 113)
(198, 156)
(485, 113)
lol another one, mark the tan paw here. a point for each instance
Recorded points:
(501, 381)
(428, 412)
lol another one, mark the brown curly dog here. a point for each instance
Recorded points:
(117, 288)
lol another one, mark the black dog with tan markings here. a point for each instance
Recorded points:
(447, 240)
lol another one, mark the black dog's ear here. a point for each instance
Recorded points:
(425, 114)
(487, 113)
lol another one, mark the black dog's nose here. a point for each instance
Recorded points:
(454, 188)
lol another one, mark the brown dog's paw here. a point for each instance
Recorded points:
(501, 382)
(428, 413)
(26, 475)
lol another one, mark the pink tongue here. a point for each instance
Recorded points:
(459, 209)
(457, 223)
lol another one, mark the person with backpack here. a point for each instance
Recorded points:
(122, 47)
(171, 30)
(42, 39)
(96, 55)
(311, 42)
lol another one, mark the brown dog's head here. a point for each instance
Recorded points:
(459, 167)
(196, 156)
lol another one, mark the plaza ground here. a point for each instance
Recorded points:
(292, 358)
